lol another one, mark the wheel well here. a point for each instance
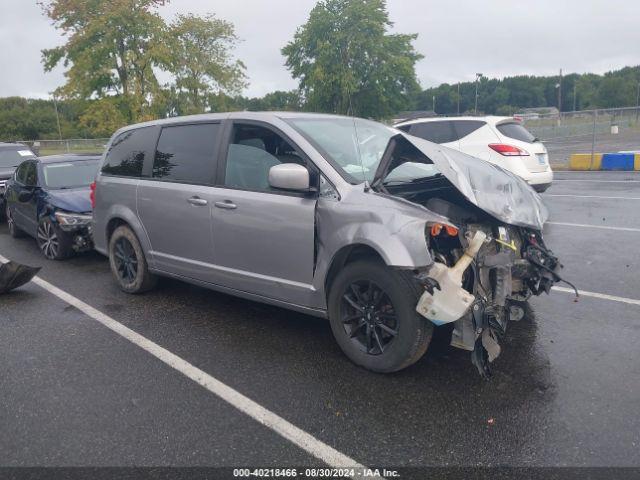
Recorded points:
(112, 225)
(350, 254)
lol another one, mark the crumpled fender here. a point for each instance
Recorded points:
(14, 275)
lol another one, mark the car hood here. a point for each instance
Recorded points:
(496, 191)
(6, 173)
(73, 200)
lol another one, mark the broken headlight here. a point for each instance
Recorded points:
(73, 220)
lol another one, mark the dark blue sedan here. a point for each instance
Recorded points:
(48, 199)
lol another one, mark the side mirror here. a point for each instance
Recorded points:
(25, 196)
(289, 176)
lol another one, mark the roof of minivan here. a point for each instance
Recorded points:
(264, 116)
(491, 119)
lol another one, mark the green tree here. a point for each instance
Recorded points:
(346, 62)
(102, 118)
(198, 54)
(111, 48)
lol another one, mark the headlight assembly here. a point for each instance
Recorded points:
(73, 219)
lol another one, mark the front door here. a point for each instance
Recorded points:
(25, 212)
(175, 205)
(263, 238)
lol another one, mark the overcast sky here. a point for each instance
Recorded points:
(457, 38)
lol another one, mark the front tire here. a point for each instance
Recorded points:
(372, 311)
(53, 242)
(128, 263)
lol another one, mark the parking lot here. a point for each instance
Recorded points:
(183, 376)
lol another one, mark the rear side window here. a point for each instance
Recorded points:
(516, 131)
(126, 154)
(187, 153)
(436, 132)
(467, 127)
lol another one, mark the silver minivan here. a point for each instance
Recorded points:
(386, 234)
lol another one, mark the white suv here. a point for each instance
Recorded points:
(502, 141)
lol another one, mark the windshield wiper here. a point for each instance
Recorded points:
(413, 180)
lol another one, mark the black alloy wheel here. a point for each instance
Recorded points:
(368, 317)
(126, 261)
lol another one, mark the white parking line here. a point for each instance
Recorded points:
(602, 296)
(594, 181)
(590, 196)
(604, 227)
(282, 427)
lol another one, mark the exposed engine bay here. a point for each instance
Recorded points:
(491, 257)
(511, 265)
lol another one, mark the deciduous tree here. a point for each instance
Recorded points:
(346, 61)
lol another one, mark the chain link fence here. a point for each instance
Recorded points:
(55, 147)
(587, 131)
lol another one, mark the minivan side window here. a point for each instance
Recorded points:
(253, 150)
(126, 154)
(187, 153)
(436, 132)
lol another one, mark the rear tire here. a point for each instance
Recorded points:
(128, 263)
(14, 231)
(372, 311)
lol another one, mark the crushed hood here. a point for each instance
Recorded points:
(496, 191)
(73, 200)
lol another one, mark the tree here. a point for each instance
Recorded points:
(346, 62)
(102, 118)
(198, 54)
(111, 48)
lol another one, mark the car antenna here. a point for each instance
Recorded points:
(351, 112)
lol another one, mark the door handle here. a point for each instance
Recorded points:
(197, 201)
(226, 205)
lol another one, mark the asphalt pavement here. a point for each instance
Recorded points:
(565, 391)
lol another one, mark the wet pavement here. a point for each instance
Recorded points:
(565, 391)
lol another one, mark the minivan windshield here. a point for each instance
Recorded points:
(10, 158)
(353, 145)
(70, 174)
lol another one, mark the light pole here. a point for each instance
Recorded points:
(478, 77)
(434, 104)
(638, 101)
(55, 105)
(458, 98)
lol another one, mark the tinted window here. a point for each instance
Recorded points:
(21, 173)
(30, 174)
(466, 127)
(187, 153)
(67, 175)
(12, 157)
(252, 153)
(126, 154)
(516, 131)
(436, 132)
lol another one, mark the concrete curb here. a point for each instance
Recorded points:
(606, 161)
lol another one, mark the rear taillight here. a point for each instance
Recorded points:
(92, 195)
(508, 150)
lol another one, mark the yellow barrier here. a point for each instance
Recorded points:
(636, 163)
(583, 161)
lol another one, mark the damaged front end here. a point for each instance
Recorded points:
(489, 259)
(498, 268)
